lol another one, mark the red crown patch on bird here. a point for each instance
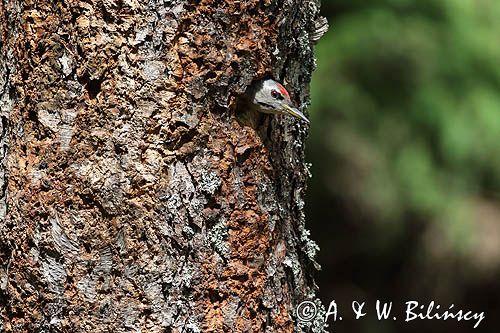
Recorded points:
(283, 90)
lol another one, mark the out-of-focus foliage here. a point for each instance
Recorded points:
(405, 133)
(406, 101)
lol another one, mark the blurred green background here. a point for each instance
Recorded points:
(405, 150)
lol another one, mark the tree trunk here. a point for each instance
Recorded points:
(132, 198)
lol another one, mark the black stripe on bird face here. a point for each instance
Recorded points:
(265, 105)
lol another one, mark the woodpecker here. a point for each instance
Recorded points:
(268, 96)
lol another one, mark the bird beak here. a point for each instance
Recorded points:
(294, 112)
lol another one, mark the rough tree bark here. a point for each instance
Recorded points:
(132, 198)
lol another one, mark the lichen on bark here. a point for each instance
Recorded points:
(135, 200)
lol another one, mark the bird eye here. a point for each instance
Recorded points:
(275, 94)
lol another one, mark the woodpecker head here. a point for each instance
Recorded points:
(269, 96)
